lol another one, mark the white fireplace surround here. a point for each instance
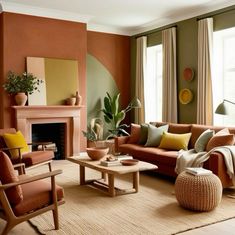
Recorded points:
(26, 116)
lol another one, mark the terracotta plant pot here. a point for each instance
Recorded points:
(21, 98)
(96, 153)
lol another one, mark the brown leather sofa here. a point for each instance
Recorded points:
(166, 159)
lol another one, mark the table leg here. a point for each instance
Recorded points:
(82, 175)
(136, 177)
(104, 176)
(111, 185)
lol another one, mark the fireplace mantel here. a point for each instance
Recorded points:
(69, 115)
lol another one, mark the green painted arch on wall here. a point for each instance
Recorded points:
(99, 81)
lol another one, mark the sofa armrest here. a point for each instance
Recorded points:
(119, 141)
(217, 165)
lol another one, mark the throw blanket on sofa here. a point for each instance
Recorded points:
(191, 158)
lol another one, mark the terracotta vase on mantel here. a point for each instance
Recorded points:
(21, 99)
(78, 99)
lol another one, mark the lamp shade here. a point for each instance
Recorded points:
(135, 103)
(222, 109)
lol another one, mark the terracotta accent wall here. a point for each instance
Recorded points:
(25, 35)
(1, 70)
(113, 51)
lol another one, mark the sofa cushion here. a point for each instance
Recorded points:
(179, 128)
(8, 175)
(36, 195)
(15, 140)
(175, 141)
(221, 138)
(143, 133)
(202, 140)
(37, 157)
(155, 135)
(150, 154)
(135, 134)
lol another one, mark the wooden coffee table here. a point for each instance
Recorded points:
(111, 171)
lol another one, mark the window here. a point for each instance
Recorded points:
(153, 84)
(224, 74)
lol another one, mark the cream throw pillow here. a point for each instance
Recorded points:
(155, 135)
(202, 140)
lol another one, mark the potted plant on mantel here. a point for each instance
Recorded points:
(19, 85)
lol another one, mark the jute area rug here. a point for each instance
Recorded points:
(153, 210)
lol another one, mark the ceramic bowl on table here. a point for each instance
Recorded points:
(96, 153)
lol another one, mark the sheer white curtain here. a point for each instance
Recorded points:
(204, 92)
(169, 82)
(141, 52)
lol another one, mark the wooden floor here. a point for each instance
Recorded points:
(227, 228)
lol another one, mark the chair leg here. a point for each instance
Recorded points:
(50, 168)
(7, 228)
(56, 218)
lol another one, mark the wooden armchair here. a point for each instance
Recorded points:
(24, 197)
(18, 154)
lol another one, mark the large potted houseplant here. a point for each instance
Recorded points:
(20, 85)
(114, 115)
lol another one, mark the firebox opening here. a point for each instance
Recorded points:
(50, 132)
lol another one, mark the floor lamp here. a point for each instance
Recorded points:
(223, 107)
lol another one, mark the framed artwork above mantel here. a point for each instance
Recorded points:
(60, 80)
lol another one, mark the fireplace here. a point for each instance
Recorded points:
(69, 116)
(50, 132)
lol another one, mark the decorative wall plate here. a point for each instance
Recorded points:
(185, 96)
(188, 74)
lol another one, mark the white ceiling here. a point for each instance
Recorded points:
(127, 17)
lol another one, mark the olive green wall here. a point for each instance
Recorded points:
(186, 54)
(99, 81)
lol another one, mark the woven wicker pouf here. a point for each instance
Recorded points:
(200, 193)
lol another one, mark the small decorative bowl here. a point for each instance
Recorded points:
(129, 162)
(96, 153)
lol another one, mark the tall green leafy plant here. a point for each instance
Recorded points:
(113, 115)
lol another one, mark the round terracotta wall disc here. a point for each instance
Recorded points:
(188, 74)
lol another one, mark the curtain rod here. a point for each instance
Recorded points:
(215, 14)
(155, 31)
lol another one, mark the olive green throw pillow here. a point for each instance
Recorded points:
(155, 135)
(202, 140)
(143, 133)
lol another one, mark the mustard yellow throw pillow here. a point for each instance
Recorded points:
(175, 141)
(15, 140)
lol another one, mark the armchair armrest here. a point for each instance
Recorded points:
(31, 179)
(40, 143)
(15, 148)
(6, 149)
(20, 167)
